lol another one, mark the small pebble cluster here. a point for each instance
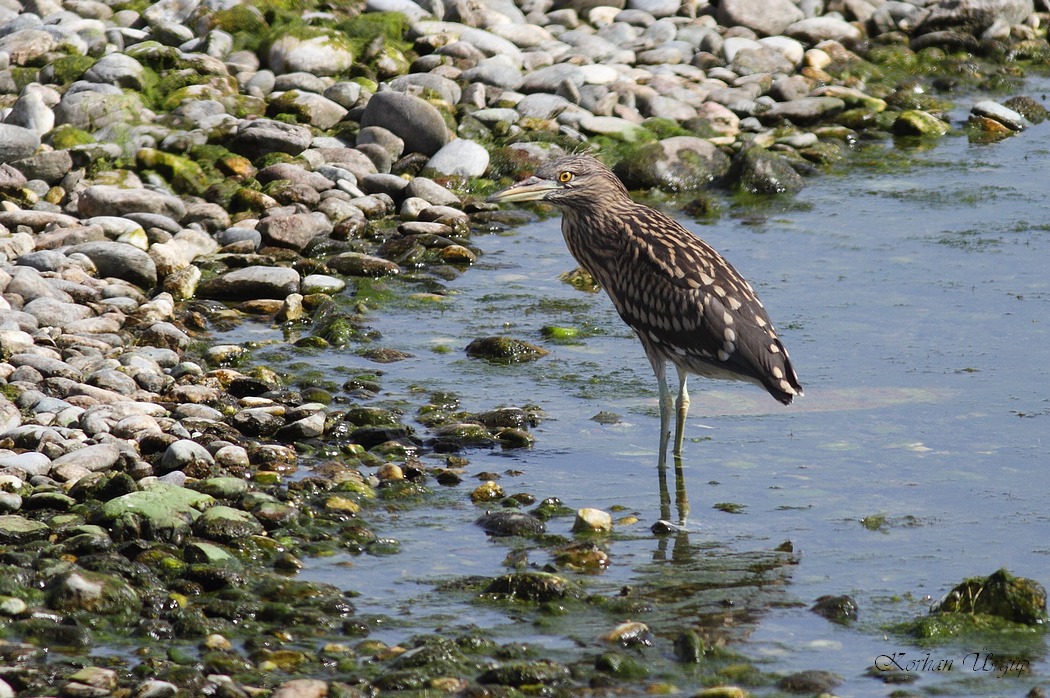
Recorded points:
(168, 169)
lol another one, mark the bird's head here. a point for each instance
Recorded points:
(573, 180)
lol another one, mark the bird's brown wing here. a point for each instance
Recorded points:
(680, 295)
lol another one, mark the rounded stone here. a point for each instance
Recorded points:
(415, 121)
(251, 283)
(460, 158)
(328, 54)
(17, 142)
(121, 261)
(590, 520)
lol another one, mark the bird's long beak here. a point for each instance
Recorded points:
(531, 189)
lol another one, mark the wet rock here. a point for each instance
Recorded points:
(18, 530)
(680, 163)
(630, 634)
(504, 350)
(915, 122)
(95, 592)
(361, 264)
(1000, 594)
(451, 437)
(227, 525)
(511, 523)
(526, 674)
(621, 666)
(722, 692)
(810, 682)
(592, 521)
(1005, 116)
(1027, 107)
(688, 647)
(308, 427)
(532, 586)
(322, 283)
(837, 609)
(161, 512)
(762, 172)
(487, 491)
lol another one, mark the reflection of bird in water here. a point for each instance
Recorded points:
(687, 304)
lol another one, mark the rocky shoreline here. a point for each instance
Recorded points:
(171, 169)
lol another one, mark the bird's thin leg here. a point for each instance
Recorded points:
(683, 409)
(681, 499)
(666, 404)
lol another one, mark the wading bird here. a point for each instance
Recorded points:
(687, 304)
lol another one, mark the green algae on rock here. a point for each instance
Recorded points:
(998, 603)
(161, 511)
(504, 350)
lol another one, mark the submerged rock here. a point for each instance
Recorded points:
(511, 523)
(837, 609)
(504, 350)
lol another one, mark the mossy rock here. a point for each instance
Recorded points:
(621, 665)
(66, 136)
(68, 69)
(363, 415)
(244, 22)
(504, 350)
(759, 171)
(155, 55)
(533, 586)
(363, 29)
(182, 173)
(163, 512)
(92, 592)
(915, 122)
(999, 603)
(1016, 599)
(288, 104)
(526, 674)
(226, 524)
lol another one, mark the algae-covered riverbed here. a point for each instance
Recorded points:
(911, 286)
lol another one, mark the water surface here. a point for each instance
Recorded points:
(915, 302)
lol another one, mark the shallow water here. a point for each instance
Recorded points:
(915, 302)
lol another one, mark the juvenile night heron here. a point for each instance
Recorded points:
(687, 304)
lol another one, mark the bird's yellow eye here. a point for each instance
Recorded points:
(565, 176)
